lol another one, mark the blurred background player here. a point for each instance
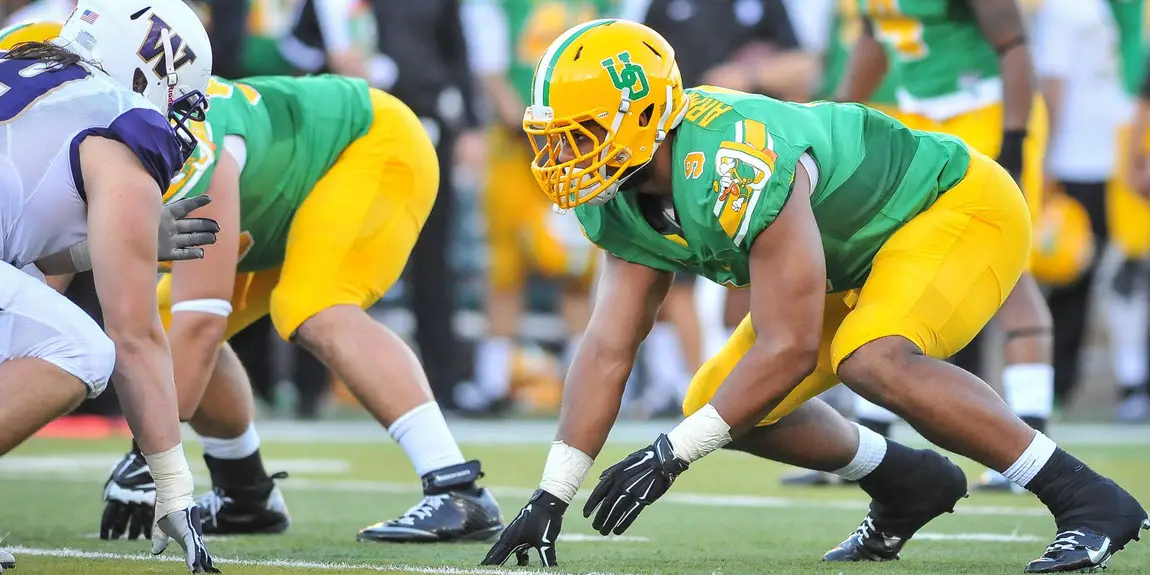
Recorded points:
(1129, 217)
(506, 39)
(1082, 84)
(964, 68)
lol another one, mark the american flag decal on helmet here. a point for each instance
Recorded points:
(89, 16)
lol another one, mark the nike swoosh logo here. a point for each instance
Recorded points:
(648, 456)
(1098, 555)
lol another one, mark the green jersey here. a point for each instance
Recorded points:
(533, 25)
(1128, 15)
(944, 62)
(293, 129)
(845, 30)
(734, 162)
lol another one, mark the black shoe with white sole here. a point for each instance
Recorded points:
(452, 509)
(259, 509)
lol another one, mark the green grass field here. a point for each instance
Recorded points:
(726, 515)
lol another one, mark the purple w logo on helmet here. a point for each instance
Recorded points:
(153, 48)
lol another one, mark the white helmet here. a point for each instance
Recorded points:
(157, 48)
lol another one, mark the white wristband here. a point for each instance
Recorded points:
(220, 307)
(173, 480)
(565, 471)
(701, 433)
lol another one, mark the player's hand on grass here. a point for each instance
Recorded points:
(629, 486)
(181, 237)
(536, 527)
(186, 527)
(129, 499)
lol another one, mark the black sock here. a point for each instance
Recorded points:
(245, 478)
(885, 482)
(1038, 423)
(1066, 485)
(880, 427)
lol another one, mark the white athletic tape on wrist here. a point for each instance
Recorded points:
(565, 471)
(701, 433)
(220, 307)
(173, 479)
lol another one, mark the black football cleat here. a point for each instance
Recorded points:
(939, 485)
(7, 560)
(1082, 551)
(245, 511)
(452, 509)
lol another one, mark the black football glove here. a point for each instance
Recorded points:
(627, 487)
(1011, 152)
(129, 499)
(536, 527)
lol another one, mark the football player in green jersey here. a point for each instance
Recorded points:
(871, 252)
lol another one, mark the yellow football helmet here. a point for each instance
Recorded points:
(618, 75)
(1063, 245)
(30, 32)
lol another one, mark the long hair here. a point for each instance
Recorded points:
(57, 57)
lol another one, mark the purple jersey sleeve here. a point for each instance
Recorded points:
(150, 137)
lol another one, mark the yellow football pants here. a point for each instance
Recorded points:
(518, 231)
(982, 130)
(350, 239)
(1128, 213)
(936, 281)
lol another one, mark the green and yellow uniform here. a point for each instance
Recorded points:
(1128, 213)
(923, 237)
(336, 183)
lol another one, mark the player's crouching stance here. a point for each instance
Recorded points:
(869, 257)
(85, 158)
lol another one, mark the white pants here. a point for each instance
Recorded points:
(36, 321)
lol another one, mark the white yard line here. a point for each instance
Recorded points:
(173, 557)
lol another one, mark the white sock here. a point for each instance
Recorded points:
(1029, 389)
(665, 364)
(237, 448)
(1039, 451)
(1128, 334)
(864, 409)
(493, 366)
(423, 435)
(872, 449)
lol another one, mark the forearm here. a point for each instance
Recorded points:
(591, 399)
(198, 337)
(1017, 88)
(760, 381)
(146, 391)
(792, 75)
(865, 71)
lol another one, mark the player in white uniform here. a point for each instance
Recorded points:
(84, 160)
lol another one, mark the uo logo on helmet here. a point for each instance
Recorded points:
(153, 48)
(626, 75)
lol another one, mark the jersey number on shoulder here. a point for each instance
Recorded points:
(23, 82)
(218, 89)
(902, 33)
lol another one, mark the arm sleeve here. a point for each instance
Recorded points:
(147, 134)
(488, 43)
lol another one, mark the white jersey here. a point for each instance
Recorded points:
(44, 116)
